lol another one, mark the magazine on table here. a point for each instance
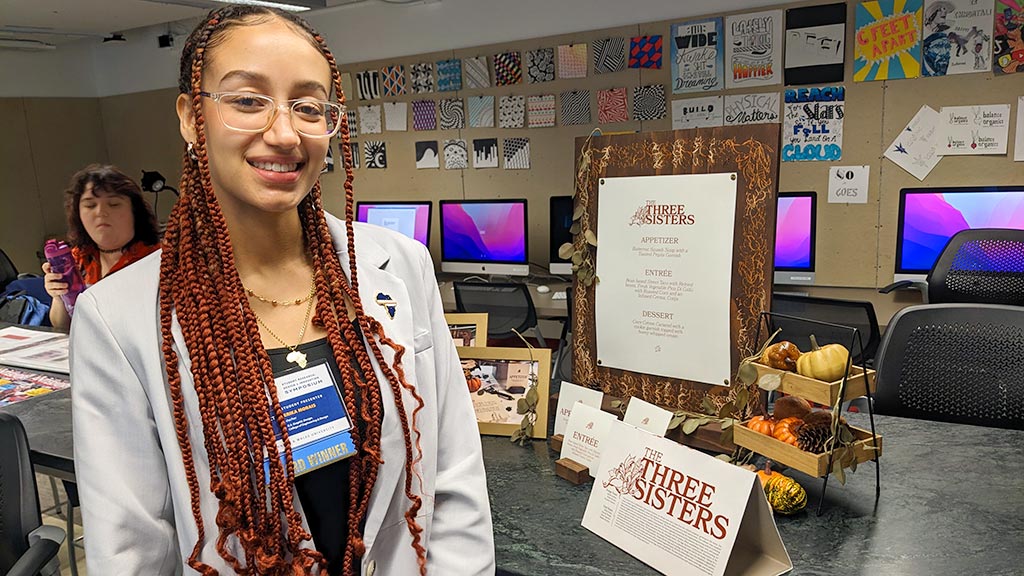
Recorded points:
(34, 349)
(17, 385)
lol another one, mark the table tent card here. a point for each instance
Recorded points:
(568, 395)
(681, 511)
(585, 432)
(647, 416)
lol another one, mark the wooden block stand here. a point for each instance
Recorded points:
(572, 471)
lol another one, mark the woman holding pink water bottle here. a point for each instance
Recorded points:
(110, 225)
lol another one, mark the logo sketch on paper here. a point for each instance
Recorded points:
(624, 477)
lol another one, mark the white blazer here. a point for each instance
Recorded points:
(135, 498)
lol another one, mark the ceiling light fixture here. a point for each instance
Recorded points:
(115, 37)
(24, 44)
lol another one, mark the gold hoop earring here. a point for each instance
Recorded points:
(192, 153)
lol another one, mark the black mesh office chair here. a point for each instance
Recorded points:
(852, 313)
(27, 547)
(954, 363)
(984, 265)
(508, 306)
(8, 271)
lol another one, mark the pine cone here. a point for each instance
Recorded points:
(813, 436)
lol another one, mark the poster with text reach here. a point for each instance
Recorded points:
(665, 261)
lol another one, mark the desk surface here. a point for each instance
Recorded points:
(546, 307)
(952, 503)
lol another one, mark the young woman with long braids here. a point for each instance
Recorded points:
(276, 392)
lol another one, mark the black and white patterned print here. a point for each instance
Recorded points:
(649, 102)
(609, 55)
(422, 77)
(369, 84)
(455, 155)
(516, 152)
(376, 154)
(353, 125)
(354, 149)
(540, 65)
(485, 153)
(511, 111)
(452, 113)
(575, 107)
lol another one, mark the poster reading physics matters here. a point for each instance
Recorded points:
(662, 306)
(753, 49)
(888, 40)
(974, 130)
(812, 127)
(697, 48)
(956, 37)
(681, 511)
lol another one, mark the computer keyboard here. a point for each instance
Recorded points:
(560, 295)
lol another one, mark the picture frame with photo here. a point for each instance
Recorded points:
(468, 329)
(503, 383)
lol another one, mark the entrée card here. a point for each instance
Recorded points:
(681, 511)
(568, 395)
(587, 429)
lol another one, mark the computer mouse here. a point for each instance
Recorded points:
(542, 289)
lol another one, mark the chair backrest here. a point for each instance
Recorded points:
(851, 313)
(19, 501)
(8, 271)
(983, 265)
(954, 363)
(508, 306)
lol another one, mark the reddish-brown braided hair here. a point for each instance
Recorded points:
(234, 386)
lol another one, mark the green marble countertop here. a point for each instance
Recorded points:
(952, 503)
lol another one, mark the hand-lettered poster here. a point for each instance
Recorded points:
(888, 41)
(752, 109)
(1008, 37)
(812, 128)
(753, 49)
(815, 44)
(957, 37)
(697, 113)
(697, 56)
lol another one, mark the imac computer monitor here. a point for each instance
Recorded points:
(484, 237)
(409, 218)
(929, 217)
(561, 220)
(794, 237)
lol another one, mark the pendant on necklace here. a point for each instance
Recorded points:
(296, 357)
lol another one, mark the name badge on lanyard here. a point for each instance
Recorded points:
(314, 415)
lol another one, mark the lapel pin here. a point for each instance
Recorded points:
(388, 304)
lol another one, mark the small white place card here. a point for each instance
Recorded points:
(647, 416)
(568, 395)
(848, 184)
(587, 428)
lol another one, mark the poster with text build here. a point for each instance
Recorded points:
(812, 128)
(974, 130)
(956, 37)
(697, 59)
(753, 49)
(681, 511)
(888, 40)
(703, 112)
(662, 306)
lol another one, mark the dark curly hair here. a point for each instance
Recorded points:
(107, 179)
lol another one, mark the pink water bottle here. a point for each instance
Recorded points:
(58, 254)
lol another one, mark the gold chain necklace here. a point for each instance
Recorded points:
(294, 356)
(273, 302)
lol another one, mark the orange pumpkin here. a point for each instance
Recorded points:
(762, 425)
(766, 473)
(786, 429)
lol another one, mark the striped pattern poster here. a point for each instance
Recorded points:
(888, 40)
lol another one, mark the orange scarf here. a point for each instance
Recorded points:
(88, 259)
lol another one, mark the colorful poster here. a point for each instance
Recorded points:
(916, 148)
(697, 113)
(813, 124)
(16, 385)
(697, 56)
(1007, 39)
(974, 130)
(957, 37)
(752, 109)
(888, 41)
(815, 44)
(753, 49)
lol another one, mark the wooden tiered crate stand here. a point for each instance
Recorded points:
(857, 381)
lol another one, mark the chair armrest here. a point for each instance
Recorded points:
(41, 556)
(25, 275)
(896, 286)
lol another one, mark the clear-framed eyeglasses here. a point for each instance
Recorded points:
(255, 113)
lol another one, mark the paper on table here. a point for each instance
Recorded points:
(568, 395)
(50, 355)
(15, 337)
(916, 148)
(647, 416)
